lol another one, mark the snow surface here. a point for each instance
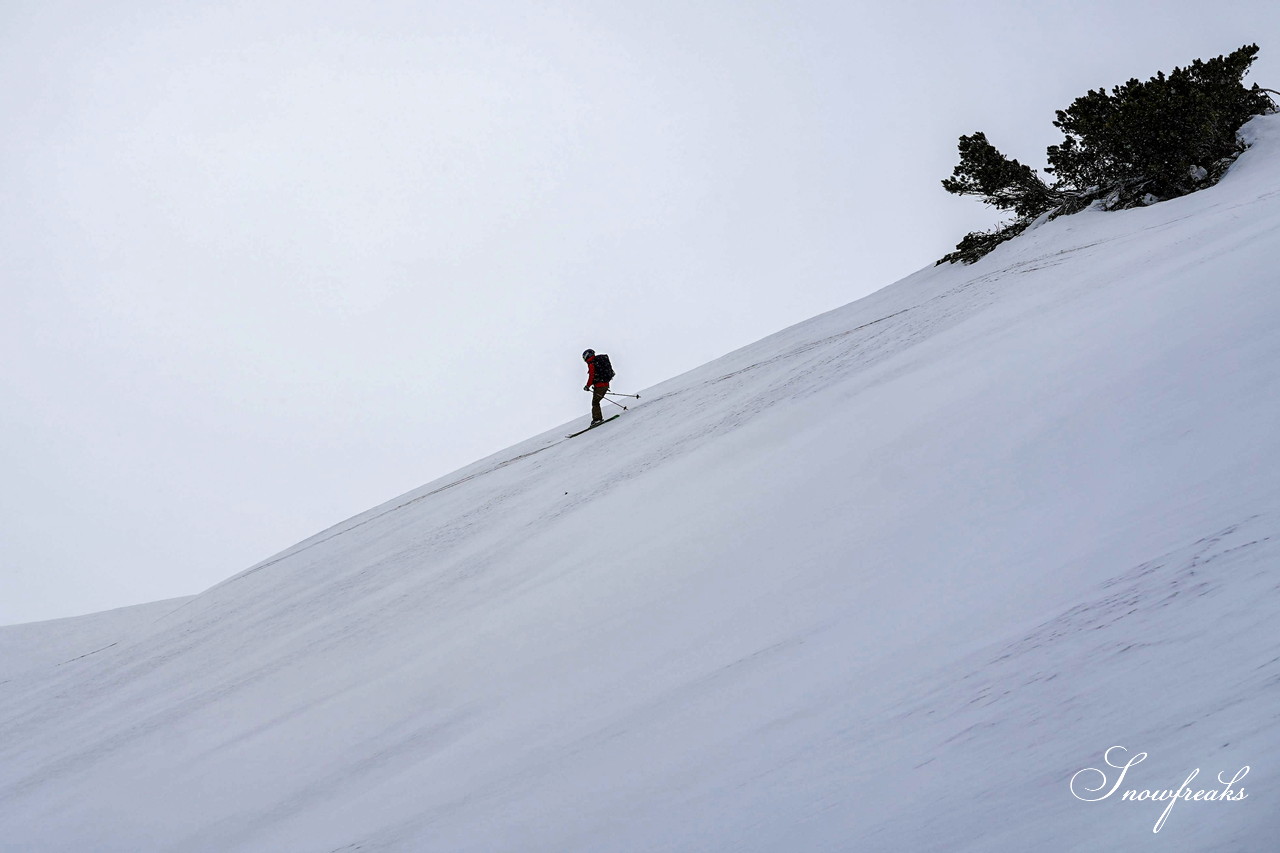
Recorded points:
(885, 580)
(36, 645)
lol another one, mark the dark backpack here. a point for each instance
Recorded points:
(604, 370)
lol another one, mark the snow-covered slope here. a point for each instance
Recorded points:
(885, 580)
(38, 645)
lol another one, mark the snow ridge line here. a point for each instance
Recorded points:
(385, 512)
(819, 342)
(803, 348)
(806, 347)
(811, 345)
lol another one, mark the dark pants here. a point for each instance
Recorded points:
(597, 394)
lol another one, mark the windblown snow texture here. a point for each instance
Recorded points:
(885, 580)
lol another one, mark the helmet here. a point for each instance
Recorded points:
(587, 353)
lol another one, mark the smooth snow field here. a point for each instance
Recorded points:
(888, 580)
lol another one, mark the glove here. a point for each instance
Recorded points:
(586, 387)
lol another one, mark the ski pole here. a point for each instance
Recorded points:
(619, 405)
(620, 394)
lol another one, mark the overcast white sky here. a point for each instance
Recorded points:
(265, 265)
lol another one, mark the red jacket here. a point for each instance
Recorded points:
(591, 373)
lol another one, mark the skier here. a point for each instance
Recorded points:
(599, 372)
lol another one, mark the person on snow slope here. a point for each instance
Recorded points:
(599, 373)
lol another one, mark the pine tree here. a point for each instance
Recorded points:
(1143, 142)
(1161, 135)
(1003, 183)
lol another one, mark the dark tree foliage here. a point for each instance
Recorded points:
(1143, 142)
(1003, 183)
(978, 243)
(1156, 132)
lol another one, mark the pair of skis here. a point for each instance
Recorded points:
(593, 426)
(606, 420)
